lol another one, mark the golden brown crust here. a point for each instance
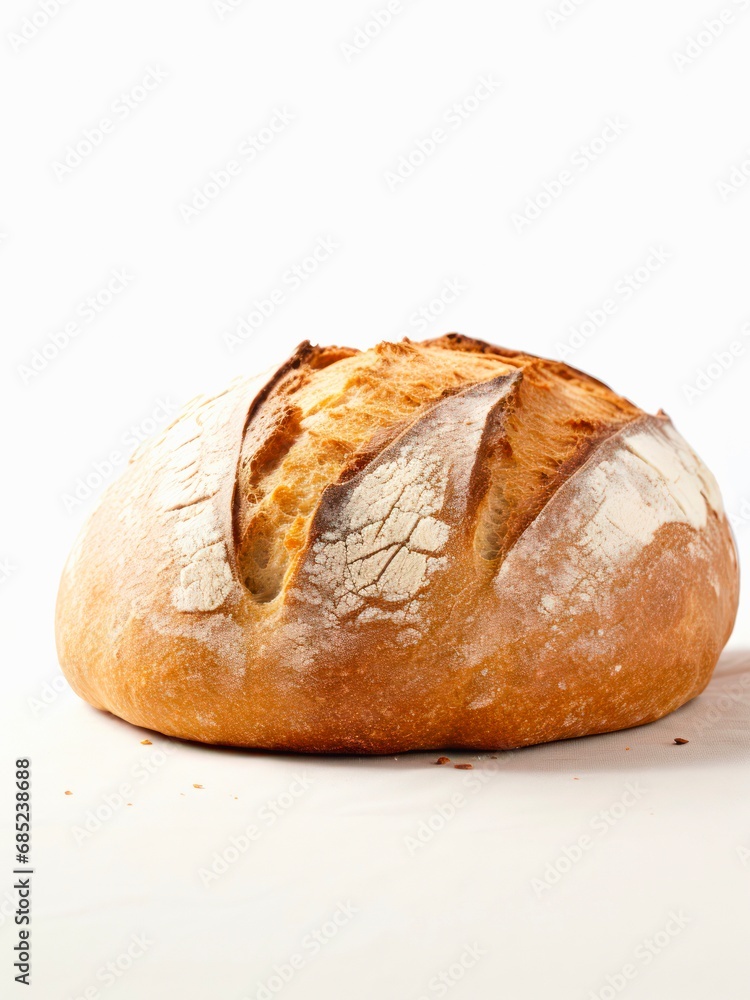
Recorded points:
(460, 342)
(416, 546)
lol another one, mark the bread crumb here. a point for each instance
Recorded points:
(197, 786)
(464, 767)
(681, 742)
(146, 743)
(68, 793)
(443, 760)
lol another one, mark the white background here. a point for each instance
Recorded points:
(72, 410)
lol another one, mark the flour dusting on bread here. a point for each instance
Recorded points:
(690, 484)
(378, 539)
(639, 481)
(389, 537)
(191, 478)
(653, 480)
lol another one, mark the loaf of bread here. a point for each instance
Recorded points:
(417, 546)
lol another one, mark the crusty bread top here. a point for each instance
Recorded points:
(329, 411)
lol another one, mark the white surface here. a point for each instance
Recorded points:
(669, 830)
(649, 200)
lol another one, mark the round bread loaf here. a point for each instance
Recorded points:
(418, 546)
